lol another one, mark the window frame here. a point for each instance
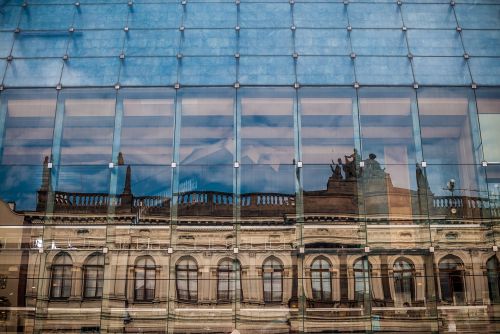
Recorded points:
(65, 268)
(278, 269)
(145, 268)
(188, 270)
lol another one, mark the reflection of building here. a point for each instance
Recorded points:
(82, 274)
(166, 166)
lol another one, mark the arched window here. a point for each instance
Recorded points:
(451, 279)
(93, 276)
(187, 280)
(321, 280)
(493, 268)
(272, 274)
(228, 280)
(145, 279)
(61, 276)
(404, 281)
(362, 271)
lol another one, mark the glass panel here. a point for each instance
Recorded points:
(481, 42)
(478, 16)
(322, 42)
(147, 126)
(390, 186)
(148, 71)
(205, 191)
(265, 15)
(457, 192)
(96, 43)
(325, 70)
(208, 71)
(91, 16)
(6, 41)
(29, 124)
(380, 42)
(152, 43)
(429, 16)
(383, 70)
(435, 42)
(39, 44)
(488, 107)
(87, 135)
(207, 134)
(485, 71)
(27, 141)
(448, 125)
(367, 15)
(208, 15)
(9, 17)
(277, 70)
(34, 72)
(320, 15)
(267, 124)
(266, 42)
(441, 71)
(165, 15)
(208, 42)
(47, 17)
(91, 72)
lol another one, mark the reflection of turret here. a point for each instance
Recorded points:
(45, 187)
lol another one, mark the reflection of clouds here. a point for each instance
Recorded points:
(150, 181)
(19, 184)
(208, 178)
(208, 152)
(267, 178)
(83, 179)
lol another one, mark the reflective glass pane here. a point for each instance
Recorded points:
(96, 43)
(427, 16)
(277, 70)
(148, 71)
(6, 41)
(383, 70)
(322, 42)
(485, 71)
(210, 15)
(265, 15)
(146, 126)
(369, 15)
(380, 42)
(91, 72)
(207, 71)
(267, 124)
(481, 42)
(40, 44)
(209, 42)
(91, 16)
(207, 134)
(448, 126)
(325, 70)
(441, 71)
(266, 42)
(9, 17)
(476, 16)
(47, 17)
(152, 42)
(87, 134)
(320, 15)
(488, 107)
(35, 72)
(435, 42)
(165, 15)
